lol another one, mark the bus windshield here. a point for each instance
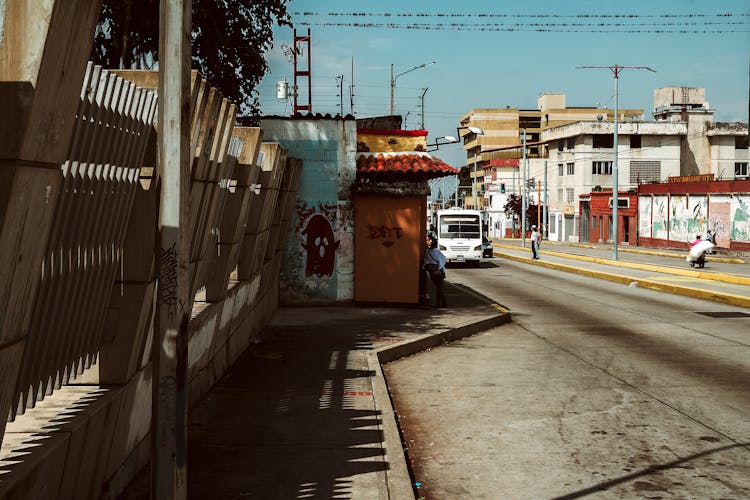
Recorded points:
(460, 226)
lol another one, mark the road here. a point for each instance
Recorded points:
(597, 389)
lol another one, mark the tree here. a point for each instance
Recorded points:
(514, 210)
(230, 41)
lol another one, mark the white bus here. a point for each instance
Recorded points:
(459, 234)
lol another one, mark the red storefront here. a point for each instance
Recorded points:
(596, 217)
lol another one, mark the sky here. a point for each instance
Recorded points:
(501, 57)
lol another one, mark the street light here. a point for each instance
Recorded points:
(393, 78)
(615, 187)
(476, 131)
(448, 139)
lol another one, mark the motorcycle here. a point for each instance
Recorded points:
(697, 254)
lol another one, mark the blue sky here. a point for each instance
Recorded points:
(478, 69)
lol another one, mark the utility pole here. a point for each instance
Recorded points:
(615, 183)
(545, 229)
(525, 193)
(340, 82)
(395, 77)
(351, 92)
(170, 346)
(539, 204)
(422, 106)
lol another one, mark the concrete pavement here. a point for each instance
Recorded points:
(306, 412)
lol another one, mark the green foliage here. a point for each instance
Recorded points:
(230, 41)
(514, 209)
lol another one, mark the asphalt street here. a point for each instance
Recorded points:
(597, 388)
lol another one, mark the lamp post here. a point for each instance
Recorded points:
(393, 78)
(615, 187)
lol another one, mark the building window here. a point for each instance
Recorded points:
(740, 169)
(560, 195)
(740, 142)
(560, 170)
(570, 195)
(601, 167)
(642, 171)
(635, 141)
(593, 222)
(571, 143)
(560, 145)
(604, 141)
(570, 168)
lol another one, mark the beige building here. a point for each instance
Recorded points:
(496, 156)
(682, 141)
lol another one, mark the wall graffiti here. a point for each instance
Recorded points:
(659, 217)
(678, 220)
(317, 239)
(644, 215)
(168, 279)
(320, 246)
(386, 233)
(698, 221)
(741, 218)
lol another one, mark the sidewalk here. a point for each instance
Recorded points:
(306, 412)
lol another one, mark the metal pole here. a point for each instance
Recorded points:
(474, 184)
(423, 94)
(393, 85)
(545, 229)
(615, 182)
(525, 193)
(170, 346)
(539, 204)
(456, 191)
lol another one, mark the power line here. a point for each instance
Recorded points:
(514, 29)
(518, 16)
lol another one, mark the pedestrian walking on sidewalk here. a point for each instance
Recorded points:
(434, 265)
(536, 241)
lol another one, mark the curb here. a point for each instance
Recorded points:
(727, 278)
(398, 481)
(724, 298)
(628, 249)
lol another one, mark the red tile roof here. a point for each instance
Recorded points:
(412, 166)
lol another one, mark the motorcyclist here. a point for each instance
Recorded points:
(700, 261)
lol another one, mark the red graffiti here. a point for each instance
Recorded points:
(320, 246)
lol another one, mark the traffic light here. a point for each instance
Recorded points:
(502, 187)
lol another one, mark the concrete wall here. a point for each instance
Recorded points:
(675, 219)
(319, 258)
(44, 46)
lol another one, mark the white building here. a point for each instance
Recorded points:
(682, 141)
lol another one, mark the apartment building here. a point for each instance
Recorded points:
(682, 141)
(495, 159)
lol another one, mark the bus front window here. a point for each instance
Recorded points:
(460, 226)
